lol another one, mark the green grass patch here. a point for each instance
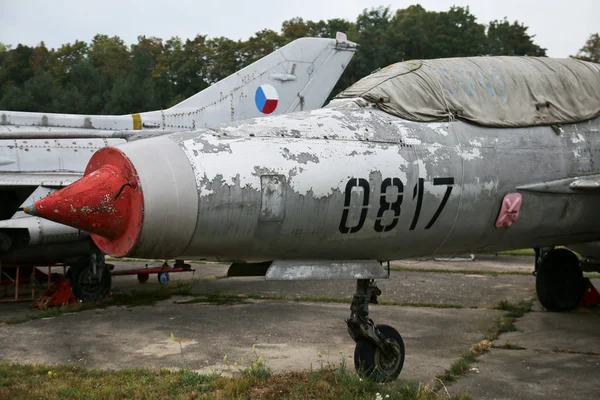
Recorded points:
(520, 252)
(463, 364)
(225, 298)
(515, 310)
(457, 369)
(20, 382)
(506, 323)
(459, 271)
(508, 346)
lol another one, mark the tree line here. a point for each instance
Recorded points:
(108, 77)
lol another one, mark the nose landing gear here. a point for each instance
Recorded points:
(379, 352)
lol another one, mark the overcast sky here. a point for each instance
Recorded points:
(560, 26)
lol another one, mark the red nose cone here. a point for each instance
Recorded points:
(107, 202)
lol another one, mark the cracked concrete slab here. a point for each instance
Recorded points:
(467, 290)
(291, 335)
(567, 332)
(483, 262)
(531, 374)
(287, 335)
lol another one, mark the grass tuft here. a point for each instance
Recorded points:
(508, 346)
(459, 271)
(130, 298)
(20, 382)
(503, 324)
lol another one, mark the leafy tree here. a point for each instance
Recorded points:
(509, 39)
(332, 26)
(457, 34)
(192, 71)
(591, 50)
(294, 28)
(136, 92)
(37, 94)
(224, 59)
(262, 43)
(84, 83)
(106, 76)
(66, 57)
(155, 49)
(16, 69)
(40, 58)
(170, 65)
(110, 57)
(14, 98)
(371, 29)
(42, 91)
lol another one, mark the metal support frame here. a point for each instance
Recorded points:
(7, 281)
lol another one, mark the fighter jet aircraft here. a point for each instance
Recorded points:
(41, 152)
(433, 157)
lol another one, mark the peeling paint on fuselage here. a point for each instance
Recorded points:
(325, 153)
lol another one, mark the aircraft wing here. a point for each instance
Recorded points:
(16, 132)
(38, 179)
(578, 184)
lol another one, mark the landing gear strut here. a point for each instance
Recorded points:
(90, 277)
(379, 351)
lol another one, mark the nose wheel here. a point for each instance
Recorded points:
(379, 352)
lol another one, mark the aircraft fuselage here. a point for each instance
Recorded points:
(350, 179)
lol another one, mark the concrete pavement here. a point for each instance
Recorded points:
(561, 358)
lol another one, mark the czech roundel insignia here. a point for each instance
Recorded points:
(266, 99)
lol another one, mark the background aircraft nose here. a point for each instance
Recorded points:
(107, 202)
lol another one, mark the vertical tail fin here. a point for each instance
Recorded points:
(299, 76)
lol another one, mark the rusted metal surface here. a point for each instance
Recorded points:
(22, 275)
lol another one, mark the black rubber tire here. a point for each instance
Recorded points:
(143, 278)
(370, 362)
(559, 281)
(85, 286)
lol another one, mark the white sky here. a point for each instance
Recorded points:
(560, 26)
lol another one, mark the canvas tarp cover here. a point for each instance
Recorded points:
(490, 91)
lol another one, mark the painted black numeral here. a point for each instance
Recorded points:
(439, 182)
(352, 183)
(417, 192)
(384, 205)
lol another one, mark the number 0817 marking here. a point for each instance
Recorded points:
(395, 206)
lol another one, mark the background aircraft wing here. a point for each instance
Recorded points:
(38, 179)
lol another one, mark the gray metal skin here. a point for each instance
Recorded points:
(275, 188)
(49, 151)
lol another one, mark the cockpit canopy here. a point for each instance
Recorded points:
(491, 91)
